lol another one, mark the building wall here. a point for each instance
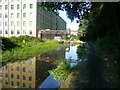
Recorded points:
(20, 20)
(49, 20)
(20, 17)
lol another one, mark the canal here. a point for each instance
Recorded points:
(33, 73)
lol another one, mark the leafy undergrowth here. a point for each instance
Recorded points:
(26, 47)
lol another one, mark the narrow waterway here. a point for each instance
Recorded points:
(33, 73)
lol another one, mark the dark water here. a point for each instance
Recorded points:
(33, 73)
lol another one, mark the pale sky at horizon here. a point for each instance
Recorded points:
(73, 26)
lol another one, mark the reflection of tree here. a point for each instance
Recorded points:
(62, 71)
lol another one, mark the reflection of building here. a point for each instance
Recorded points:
(25, 74)
(29, 73)
(19, 74)
(23, 17)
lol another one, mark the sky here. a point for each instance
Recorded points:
(73, 25)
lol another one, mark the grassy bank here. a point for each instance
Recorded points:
(24, 47)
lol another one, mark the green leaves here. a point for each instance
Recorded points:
(62, 71)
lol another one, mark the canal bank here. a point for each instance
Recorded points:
(34, 72)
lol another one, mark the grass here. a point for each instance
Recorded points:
(27, 49)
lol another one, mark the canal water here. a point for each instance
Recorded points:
(33, 73)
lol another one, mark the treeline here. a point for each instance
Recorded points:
(103, 29)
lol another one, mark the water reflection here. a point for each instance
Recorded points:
(33, 72)
(29, 73)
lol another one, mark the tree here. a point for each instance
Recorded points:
(73, 9)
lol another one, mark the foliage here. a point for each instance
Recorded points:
(80, 50)
(27, 48)
(74, 37)
(73, 9)
(64, 36)
(62, 71)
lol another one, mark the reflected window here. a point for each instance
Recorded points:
(6, 75)
(30, 61)
(18, 68)
(12, 75)
(24, 62)
(30, 70)
(6, 82)
(18, 84)
(24, 78)
(29, 85)
(6, 67)
(0, 75)
(30, 78)
(24, 69)
(12, 83)
(12, 68)
(24, 85)
(18, 76)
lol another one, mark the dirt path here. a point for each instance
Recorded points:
(89, 71)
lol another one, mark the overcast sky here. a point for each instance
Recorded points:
(73, 25)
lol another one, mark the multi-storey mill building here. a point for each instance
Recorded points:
(23, 17)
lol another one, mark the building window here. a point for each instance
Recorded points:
(0, 31)
(6, 15)
(12, 32)
(6, 31)
(18, 76)
(30, 78)
(30, 32)
(18, 15)
(18, 68)
(0, 23)
(24, 6)
(24, 31)
(12, 0)
(30, 23)
(18, 6)
(12, 75)
(24, 15)
(0, 15)
(18, 23)
(24, 23)
(24, 78)
(6, 0)
(30, 15)
(12, 23)
(18, 0)
(31, 6)
(24, 69)
(18, 32)
(0, 7)
(6, 7)
(6, 23)
(12, 7)
(0, 0)
(12, 15)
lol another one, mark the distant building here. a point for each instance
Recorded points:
(23, 17)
